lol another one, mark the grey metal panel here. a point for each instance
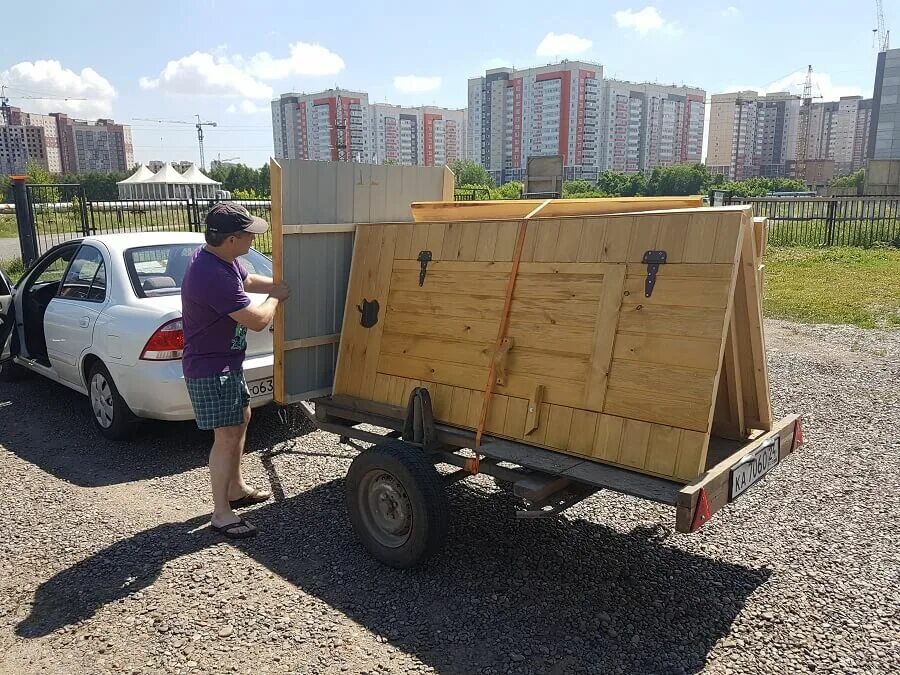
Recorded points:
(345, 193)
(309, 370)
(362, 194)
(378, 204)
(326, 211)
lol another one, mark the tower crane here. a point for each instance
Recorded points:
(881, 34)
(5, 107)
(198, 124)
(805, 114)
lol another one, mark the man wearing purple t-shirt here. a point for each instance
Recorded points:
(216, 313)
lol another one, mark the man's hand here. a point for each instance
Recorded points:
(280, 291)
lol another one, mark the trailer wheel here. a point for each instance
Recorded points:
(397, 504)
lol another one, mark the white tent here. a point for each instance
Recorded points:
(167, 183)
(126, 187)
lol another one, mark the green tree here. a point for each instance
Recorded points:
(856, 179)
(579, 189)
(681, 180)
(760, 186)
(617, 184)
(471, 173)
(510, 190)
(38, 175)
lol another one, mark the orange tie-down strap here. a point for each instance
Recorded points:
(473, 464)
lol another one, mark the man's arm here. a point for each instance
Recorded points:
(256, 283)
(257, 317)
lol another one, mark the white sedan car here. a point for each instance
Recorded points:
(102, 315)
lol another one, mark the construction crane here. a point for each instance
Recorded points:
(881, 34)
(198, 124)
(5, 107)
(805, 114)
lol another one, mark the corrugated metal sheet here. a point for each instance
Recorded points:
(316, 265)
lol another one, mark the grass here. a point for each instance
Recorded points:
(8, 226)
(13, 268)
(835, 285)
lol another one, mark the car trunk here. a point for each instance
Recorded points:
(258, 343)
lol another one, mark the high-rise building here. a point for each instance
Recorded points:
(330, 125)
(101, 146)
(753, 135)
(423, 136)
(884, 138)
(21, 145)
(549, 110)
(648, 125)
(343, 125)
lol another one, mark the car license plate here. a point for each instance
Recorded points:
(261, 387)
(754, 466)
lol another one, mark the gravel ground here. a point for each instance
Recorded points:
(106, 565)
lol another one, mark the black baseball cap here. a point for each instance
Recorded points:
(227, 218)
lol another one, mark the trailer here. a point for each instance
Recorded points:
(553, 413)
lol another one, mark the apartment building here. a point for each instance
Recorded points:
(759, 135)
(330, 125)
(648, 125)
(21, 145)
(884, 139)
(549, 110)
(422, 136)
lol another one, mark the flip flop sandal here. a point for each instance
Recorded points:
(251, 498)
(237, 530)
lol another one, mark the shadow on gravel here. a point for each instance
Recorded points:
(50, 426)
(544, 597)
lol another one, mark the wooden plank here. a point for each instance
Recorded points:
(635, 443)
(582, 432)
(547, 236)
(728, 239)
(540, 432)
(569, 240)
(667, 350)
(607, 318)
(468, 241)
(441, 400)
(669, 320)
(397, 389)
(498, 267)
(682, 292)
(497, 410)
(728, 420)
(404, 242)
(559, 425)
(382, 391)
(516, 411)
(450, 246)
(435, 239)
(507, 233)
(655, 378)
(380, 284)
(303, 343)
(277, 217)
(448, 184)
(618, 237)
(487, 241)
(459, 406)
(644, 233)
(418, 240)
(669, 410)
(700, 240)
(608, 438)
(685, 271)
(317, 228)
(556, 208)
(672, 235)
(663, 449)
(528, 248)
(593, 236)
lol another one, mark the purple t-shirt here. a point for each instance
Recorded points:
(212, 289)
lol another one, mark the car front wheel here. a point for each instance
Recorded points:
(112, 416)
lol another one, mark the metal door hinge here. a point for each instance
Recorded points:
(653, 259)
(424, 258)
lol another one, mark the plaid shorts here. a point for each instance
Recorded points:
(219, 401)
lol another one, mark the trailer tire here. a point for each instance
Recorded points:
(397, 504)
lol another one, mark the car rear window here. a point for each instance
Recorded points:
(159, 270)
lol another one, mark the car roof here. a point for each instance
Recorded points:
(126, 240)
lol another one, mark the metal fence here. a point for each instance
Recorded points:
(828, 221)
(471, 194)
(52, 214)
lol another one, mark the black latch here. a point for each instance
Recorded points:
(424, 258)
(653, 259)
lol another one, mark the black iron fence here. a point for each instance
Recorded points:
(471, 194)
(47, 215)
(827, 221)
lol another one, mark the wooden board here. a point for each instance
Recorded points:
(518, 208)
(597, 369)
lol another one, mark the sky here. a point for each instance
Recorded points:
(226, 60)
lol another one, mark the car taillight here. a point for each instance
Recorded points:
(166, 344)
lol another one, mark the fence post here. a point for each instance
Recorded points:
(24, 221)
(829, 223)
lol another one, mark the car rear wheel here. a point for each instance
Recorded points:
(112, 416)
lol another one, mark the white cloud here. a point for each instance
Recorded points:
(304, 59)
(645, 21)
(201, 74)
(731, 12)
(412, 84)
(563, 44)
(220, 74)
(246, 108)
(823, 86)
(51, 79)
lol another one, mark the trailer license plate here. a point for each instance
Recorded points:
(261, 387)
(754, 466)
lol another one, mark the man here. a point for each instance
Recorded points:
(217, 313)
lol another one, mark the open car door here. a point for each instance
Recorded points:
(7, 315)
